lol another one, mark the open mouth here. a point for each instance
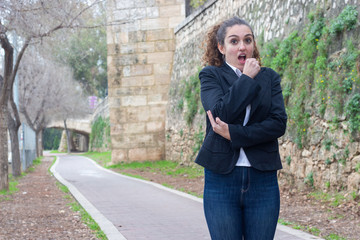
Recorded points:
(242, 58)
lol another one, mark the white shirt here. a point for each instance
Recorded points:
(242, 160)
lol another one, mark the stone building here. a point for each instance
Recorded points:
(141, 45)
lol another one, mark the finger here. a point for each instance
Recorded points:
(218, 121)
(211, 118)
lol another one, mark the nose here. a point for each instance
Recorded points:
(241, 45)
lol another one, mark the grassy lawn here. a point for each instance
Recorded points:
(102, 158)
(163, 166)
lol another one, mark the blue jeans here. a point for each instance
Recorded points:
(243, 204)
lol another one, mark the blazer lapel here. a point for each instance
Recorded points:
(229, 74)
(264, 84)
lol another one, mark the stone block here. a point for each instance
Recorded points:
(130, 128)
(117, 141)
(157, 113)
(128, 48)
(114, 78)
(121, 14)
(114, 101)
(353, 182)
(159, 34)
(175, 21)
(125, 4)
(148, 80)
(160, 57)
(166, 2)
(140, 3)
(134, 101)
(162, 68)
(116, 129)
(157, 126)
(130, 59)
(117, 115)
(162, 79)
(154, 23)
(162, 46)
(137, 70)
(152, 12)
(138, 114)
(138, 13)
(145, 47)
(113, 50)
(154, 154)
(130, 26)
(156, 99)
(131, 81)
(137, 36)
(170, 11)
(141, 140)
(118, 155)
(138, 154)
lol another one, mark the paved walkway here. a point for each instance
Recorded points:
(133, 209)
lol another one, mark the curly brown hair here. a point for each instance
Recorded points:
(215, 35)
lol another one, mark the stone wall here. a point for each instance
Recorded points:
(102, 109)
(141, 45)
(270, 19)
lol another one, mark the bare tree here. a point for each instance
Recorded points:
(47, 91)
(32, 20)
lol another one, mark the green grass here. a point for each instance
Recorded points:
(333, 199)
(12, 186)
(53, 162)
(164, 166)
(183, 190)
(36, 162)
(85, 217)
(313, 230)
(103, 158)
(55, 151)
(334, 237)
(13, 181)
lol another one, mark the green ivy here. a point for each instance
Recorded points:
(314, 75)
(353, 112)
(197, 3)
(191, 93)
(346, 20)
(309, 179)
(100, 133)
(198, 139)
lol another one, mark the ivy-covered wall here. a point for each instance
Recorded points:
(315, 48)
(100, 135)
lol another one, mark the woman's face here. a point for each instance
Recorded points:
(238, 45)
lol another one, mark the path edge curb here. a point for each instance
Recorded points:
(111, 232)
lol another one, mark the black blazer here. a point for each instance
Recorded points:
(227, 96)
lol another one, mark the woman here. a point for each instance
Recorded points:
(240, 153)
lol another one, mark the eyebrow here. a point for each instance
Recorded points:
(249, 34)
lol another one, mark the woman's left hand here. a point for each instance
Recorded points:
(219, 126)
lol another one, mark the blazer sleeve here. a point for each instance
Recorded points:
(230, 104)
(269, 129)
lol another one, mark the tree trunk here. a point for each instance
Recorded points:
(13, 130)
(39, 145)
(4, 178)
(67, 137)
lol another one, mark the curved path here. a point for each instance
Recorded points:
(134, 209)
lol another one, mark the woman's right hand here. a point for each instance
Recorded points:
(251, 67)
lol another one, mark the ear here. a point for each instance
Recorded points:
(221, 48)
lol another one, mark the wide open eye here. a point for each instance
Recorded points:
(248, 40)
(234, 41)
